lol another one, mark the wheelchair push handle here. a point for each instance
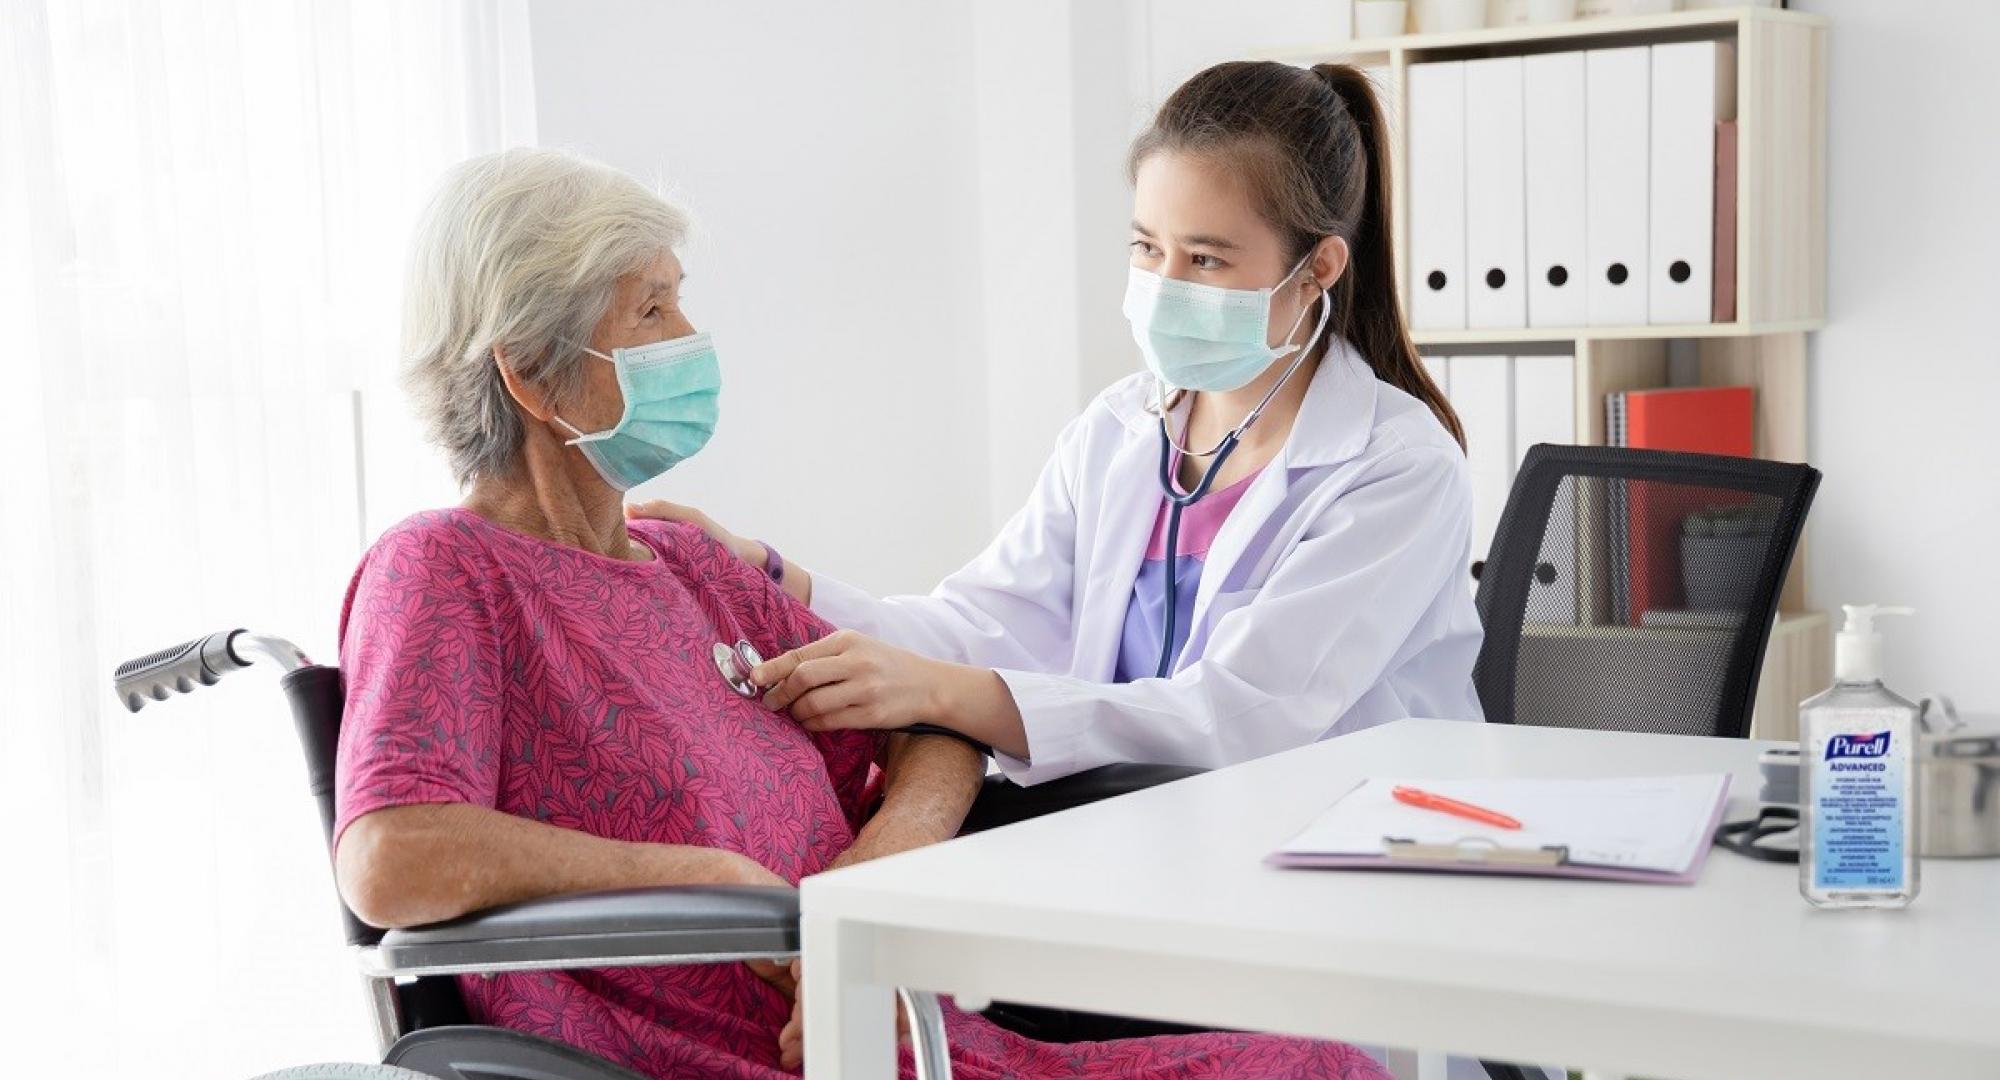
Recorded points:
(200, 662)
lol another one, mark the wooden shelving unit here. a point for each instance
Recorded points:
(1780, 263)
(1609, 333)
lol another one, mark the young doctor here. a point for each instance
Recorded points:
(1257, 543)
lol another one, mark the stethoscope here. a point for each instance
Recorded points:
(735, 662)
(1178, 501)
(1749, 837)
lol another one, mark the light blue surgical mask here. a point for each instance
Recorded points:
(1202, 337)
(671, 389)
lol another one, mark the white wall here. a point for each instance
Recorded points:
(1184, 36)
(1032, 264)
(1905, 380)
(828, 153)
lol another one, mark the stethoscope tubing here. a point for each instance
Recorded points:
(1177, 502)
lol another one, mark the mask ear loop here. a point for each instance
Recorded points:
(571, 428)
(1325, 313)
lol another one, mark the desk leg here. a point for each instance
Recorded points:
(850, 1024)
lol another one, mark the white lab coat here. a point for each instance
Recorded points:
(1335, 596)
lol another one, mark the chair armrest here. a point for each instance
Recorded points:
(1003, 802)
(672, 924)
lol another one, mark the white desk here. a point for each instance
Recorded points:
(1158, 904)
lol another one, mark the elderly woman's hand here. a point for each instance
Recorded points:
(733, 868)
(792, 1040)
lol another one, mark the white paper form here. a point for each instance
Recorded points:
(1657, 823)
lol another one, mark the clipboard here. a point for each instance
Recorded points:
(1472, 852)
(1646, 829)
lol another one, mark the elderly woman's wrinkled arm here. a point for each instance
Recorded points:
(410, 865)
(929, 782)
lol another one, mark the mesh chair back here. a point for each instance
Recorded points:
(1634, 590)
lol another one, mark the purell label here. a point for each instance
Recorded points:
(1858, 812)
(1858, 746)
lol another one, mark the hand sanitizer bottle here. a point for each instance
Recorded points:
(1858, 805)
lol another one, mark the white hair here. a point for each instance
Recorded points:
(521, 249)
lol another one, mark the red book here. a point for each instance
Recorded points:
(1699, 420)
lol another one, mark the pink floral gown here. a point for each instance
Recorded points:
(491, 668)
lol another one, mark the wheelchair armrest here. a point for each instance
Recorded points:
(1003, 802)
(670, 924)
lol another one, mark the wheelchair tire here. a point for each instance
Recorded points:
(345, 1070)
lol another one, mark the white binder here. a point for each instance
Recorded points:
(1545, 412)
(1482, 392)
(1496, 209)
(1436, 126)
(1552, 126)
(1616, 115)
(1694, 85)
(1544, 401)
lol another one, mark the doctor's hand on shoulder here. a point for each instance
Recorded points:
(750, 551)
(848, 680)
(794, 579)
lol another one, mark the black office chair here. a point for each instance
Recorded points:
(421, 1023)
(1635, 590)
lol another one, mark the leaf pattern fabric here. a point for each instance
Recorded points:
(487, 667)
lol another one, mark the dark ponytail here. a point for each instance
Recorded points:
(1313, 144)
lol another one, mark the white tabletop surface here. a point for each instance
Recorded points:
(1591, 973)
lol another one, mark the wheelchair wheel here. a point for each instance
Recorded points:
(345, 1070)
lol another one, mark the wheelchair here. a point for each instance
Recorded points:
(421, 1024)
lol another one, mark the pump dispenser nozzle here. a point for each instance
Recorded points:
(1857, 649)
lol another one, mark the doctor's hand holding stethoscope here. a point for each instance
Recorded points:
(1257, 543)
(850, 680)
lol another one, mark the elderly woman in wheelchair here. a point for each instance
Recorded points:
(537, 693)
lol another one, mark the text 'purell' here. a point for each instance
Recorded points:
(1850, 746)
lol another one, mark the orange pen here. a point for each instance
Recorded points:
(1424, 800)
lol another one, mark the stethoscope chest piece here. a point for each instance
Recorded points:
(735, 663)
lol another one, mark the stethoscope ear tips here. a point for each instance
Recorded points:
(734, 663)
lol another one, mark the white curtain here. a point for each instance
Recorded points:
(203, 213)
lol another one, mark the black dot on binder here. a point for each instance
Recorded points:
(1495, 278)
(1617, 274)
(1545, 573)
(1435, 280)
(1680, 271)
(1558, 276)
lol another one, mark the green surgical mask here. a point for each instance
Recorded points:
(1203, 337)
(671, 389)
